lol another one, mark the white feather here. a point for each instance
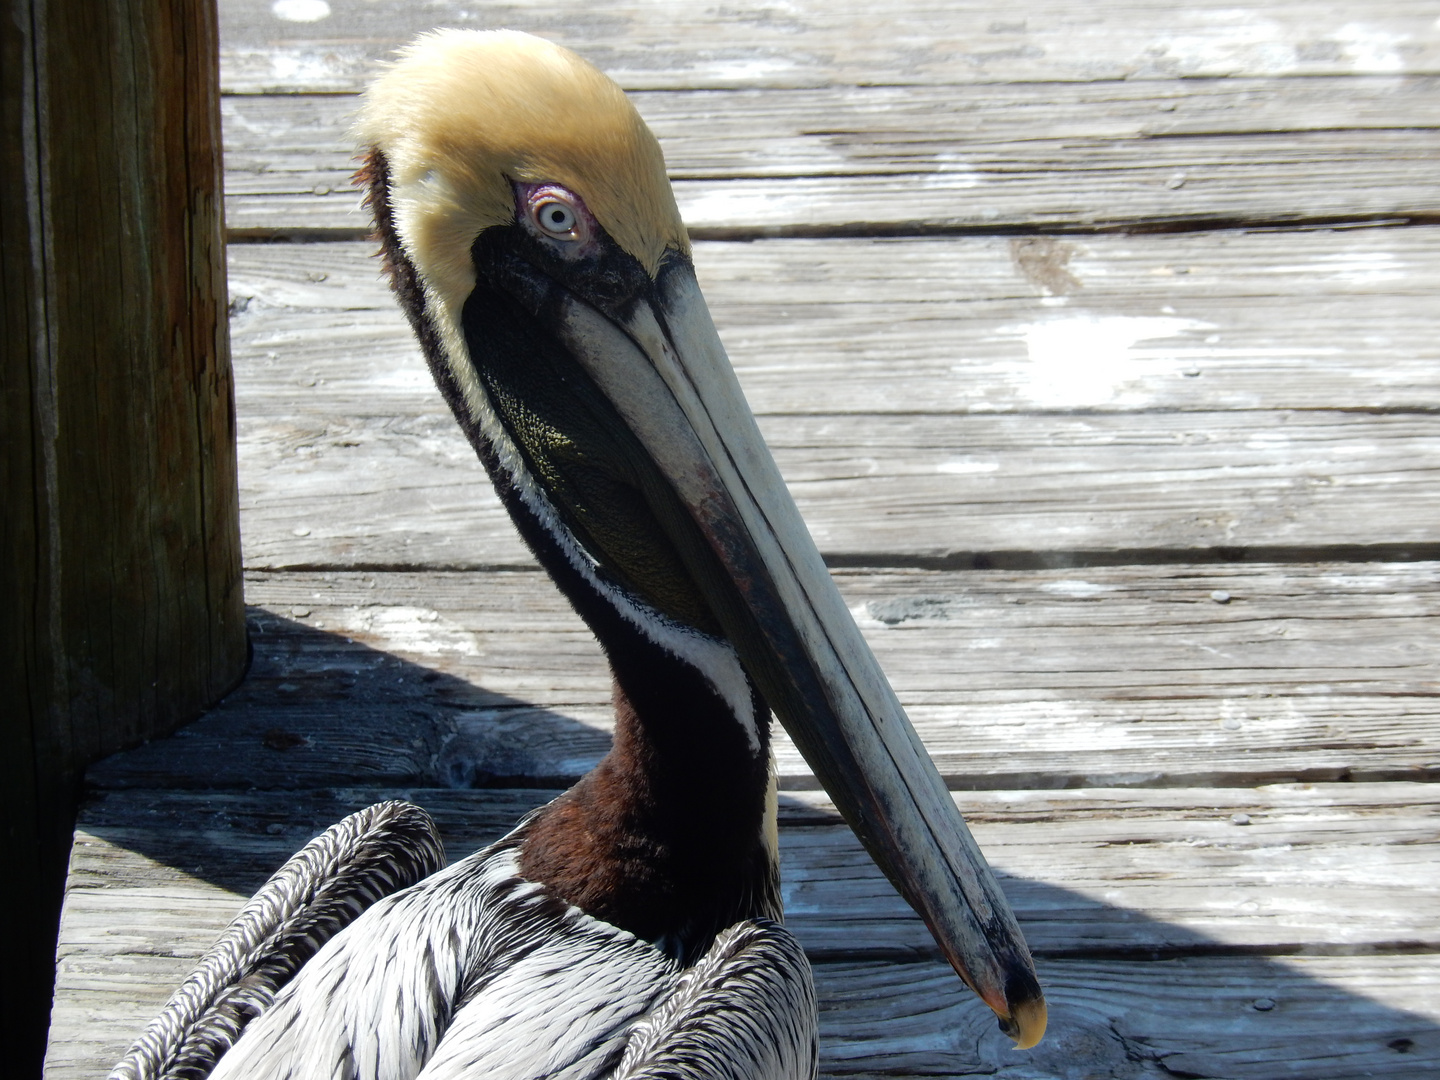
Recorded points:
(477, 972)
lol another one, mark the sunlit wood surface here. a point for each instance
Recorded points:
(1098, 345)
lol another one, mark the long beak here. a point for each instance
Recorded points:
(662, 367)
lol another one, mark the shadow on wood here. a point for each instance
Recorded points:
(197, 821)
(1201, 1011)
(119, 544)
(358, 716)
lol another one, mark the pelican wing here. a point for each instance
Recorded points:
(585, 1000)
(746, 1011)
(319, 891)
(473, 971)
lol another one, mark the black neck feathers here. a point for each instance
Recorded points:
(665, 837)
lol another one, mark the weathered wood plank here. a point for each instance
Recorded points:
(343, 491)
(1334, 1018)
(119, 539)
(1327, 868)
(1195, 183)
(1049, 679)
(991, 156)
(1245, 323)
(811, 43)
(156, 874)
(845, 130)
(1235, 320)
(1245, 1018)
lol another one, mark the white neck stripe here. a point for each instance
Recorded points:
(714, 658)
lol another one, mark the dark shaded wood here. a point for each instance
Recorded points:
(1246, 1018)
(1321, 868)
(123, 614)
(1149, 914)
(1334, 1017)
(1045, 679)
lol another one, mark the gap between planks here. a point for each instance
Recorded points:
(920, 159)
(816, 43)
(1147, 676)
(156, 874)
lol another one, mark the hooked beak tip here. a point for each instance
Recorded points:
(1026, 1022)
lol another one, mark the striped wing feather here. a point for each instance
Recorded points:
(746, 1011)
(470, 971)
(322, 889)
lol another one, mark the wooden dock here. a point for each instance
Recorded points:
(1099, 346)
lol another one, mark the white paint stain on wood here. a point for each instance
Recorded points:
(1225, 41)
(967, 467)
(416, 631)
(300, 11)
(1371, 49)
(1088, 359)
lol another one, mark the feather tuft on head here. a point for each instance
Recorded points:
(464, 113)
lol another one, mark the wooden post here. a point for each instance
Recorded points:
(121, 615)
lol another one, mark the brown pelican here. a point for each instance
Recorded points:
(632, 926)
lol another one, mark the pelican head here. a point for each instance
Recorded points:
(533, 239)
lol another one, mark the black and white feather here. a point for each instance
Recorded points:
(475, 971)
(747, 1009)
(323, 888)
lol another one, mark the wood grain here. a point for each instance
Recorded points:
(916, 158)
(1090, 873)
(811, 43)
(1049, 679)
(119, 546)
(1195, 323)
(1338, 1018)
(1279, 180)
(1097, 877)
(344, 441)
(332, 490)
(845, 130)
(1334, 1018)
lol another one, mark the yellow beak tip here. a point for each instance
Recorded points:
(1026, 1023)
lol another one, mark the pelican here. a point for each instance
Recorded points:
(633, 926)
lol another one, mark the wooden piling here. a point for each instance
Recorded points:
(119, 544)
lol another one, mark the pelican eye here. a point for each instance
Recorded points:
(555, 217)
